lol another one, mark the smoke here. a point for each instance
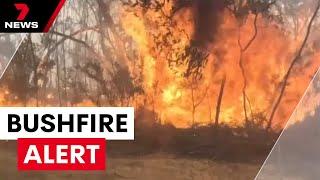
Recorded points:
(207, 18)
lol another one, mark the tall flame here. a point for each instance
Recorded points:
(162, 39)
(265, 63)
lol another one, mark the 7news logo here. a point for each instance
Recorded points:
(21, 23)
(20, 16)
(24, 10)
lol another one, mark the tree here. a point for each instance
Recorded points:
(293, 63)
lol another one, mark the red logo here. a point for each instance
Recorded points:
(61, 154)
(24, 10)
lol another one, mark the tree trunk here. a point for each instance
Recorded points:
(219, 101)
(294, 61)
(243, 49)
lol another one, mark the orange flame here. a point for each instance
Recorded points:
(265, 63)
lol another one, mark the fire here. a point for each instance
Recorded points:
(265, 63)
(171, 94)
(163, 42)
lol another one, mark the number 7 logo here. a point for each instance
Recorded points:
(24, 10)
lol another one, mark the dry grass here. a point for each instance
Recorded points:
(151, 167)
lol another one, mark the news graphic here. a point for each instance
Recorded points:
(61, 154)
(160, 89)
(28, 15)
(64, 138)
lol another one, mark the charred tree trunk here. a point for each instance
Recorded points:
(58, 78)
(219, 101)
(35, 65)
(64, 67)
(243, 49)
